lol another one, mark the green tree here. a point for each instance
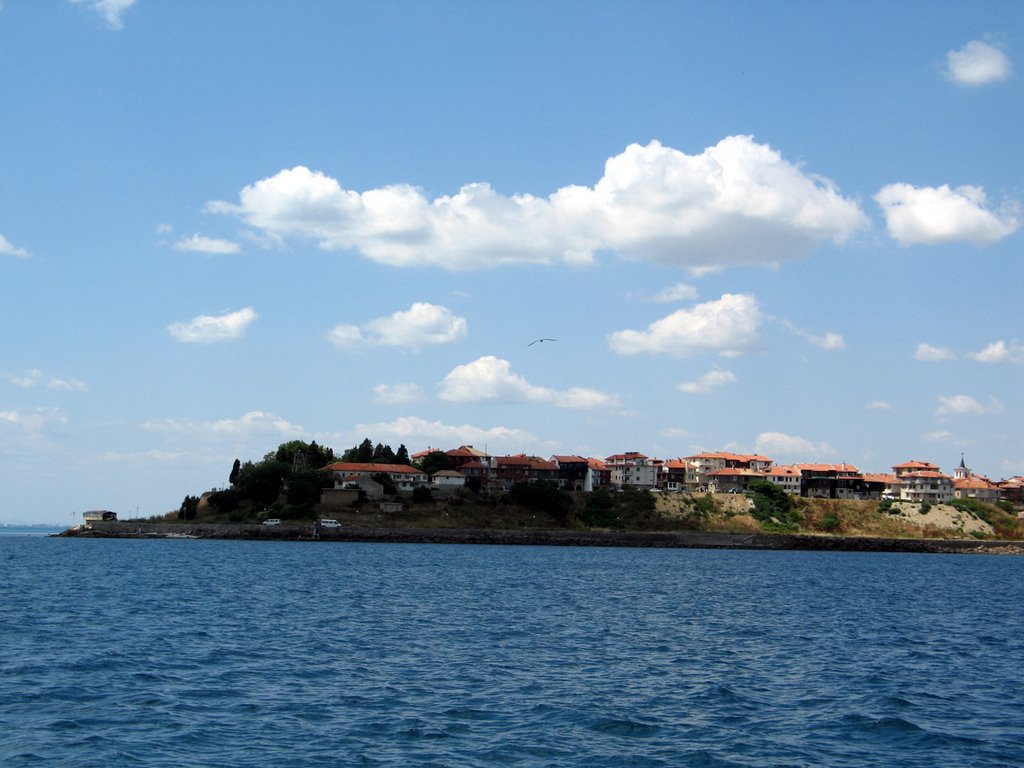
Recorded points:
(542, 496)
(304, 489)
(235, 468)
(435, 461)
(402, 455)
(261, 483)
(188, 508)
(383, 454)
(364, 453)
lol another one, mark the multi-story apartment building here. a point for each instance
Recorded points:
(633, 469)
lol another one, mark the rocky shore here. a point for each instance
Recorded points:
(560, 538)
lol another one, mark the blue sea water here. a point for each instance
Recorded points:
(230, 653)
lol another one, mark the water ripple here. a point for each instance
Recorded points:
(239, 654)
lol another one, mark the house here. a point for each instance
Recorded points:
(99, 516)
(967, 485)
(509, 470)
(1012, 490)
(922, 481)
(573, 473)
(479, 470)
(702, 464)
(448, 479)
(632, 469)
(465, 454)
(600, 475)
(732, 479)
(403, 476)
(786, 477)
(880, 486)
(831, 481)
(672, 477)
(976, 487)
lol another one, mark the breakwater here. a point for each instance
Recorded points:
(531, 537)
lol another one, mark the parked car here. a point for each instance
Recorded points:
(327, 522)
(272, 521)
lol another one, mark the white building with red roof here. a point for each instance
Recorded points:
(921, 481)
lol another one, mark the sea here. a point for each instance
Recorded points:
(292, 654)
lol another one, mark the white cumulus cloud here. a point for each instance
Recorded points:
(203, 244)
(208, 329)
(397, 394)
(708, 382)
(8, 248)
(727, 326)
(415, 431)
(926, 353)
(1000, 352)
(736, 202)
(110, 11)
(774, 444)
(959, 405)
(934, 215)
(490, 379)
(423, 324)
(977, 63)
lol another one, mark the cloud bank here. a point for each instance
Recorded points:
(415, 430)
(737, 202)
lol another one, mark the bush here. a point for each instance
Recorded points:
(925, 507)
(542, 496)
(704, 506)
(829, 523)
(421, 495)
(773, 505)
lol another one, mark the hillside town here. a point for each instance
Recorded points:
(706, 472)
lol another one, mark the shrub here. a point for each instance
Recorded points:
(773, 505)
(829, 523)
(421, 495)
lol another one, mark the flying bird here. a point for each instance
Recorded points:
(539, 341)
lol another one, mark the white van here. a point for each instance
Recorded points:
(327, 522)
(272, 521)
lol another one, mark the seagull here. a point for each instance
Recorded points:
(539, 341)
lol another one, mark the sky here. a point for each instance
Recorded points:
(790, 228)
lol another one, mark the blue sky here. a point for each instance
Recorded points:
(791, 228)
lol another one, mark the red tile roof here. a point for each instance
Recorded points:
(915, 465)
(352, 466)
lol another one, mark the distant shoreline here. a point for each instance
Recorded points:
(530, 537)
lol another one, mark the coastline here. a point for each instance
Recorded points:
(538, 537)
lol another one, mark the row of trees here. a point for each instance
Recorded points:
(366, 453)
